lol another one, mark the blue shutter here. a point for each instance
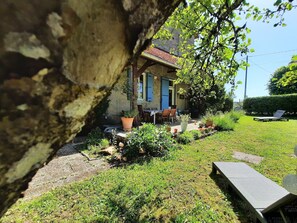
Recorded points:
(164, 94)
(149, 87)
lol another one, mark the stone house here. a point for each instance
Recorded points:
(155, 84)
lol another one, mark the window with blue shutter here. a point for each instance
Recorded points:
(149, 87)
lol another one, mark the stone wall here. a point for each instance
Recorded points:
(119, 100)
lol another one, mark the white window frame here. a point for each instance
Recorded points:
(172, 88)
(143, 88)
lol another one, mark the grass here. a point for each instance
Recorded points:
(178, 188)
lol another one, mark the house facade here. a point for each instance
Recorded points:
(155, 84)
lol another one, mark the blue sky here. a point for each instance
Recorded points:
(277, 43)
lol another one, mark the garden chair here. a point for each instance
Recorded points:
(172, 115)
(276, 116)
(164, 116)
(269, 201)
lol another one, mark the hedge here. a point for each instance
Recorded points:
(269, 104)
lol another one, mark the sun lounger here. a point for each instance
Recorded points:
(276, 116)
(269, 201)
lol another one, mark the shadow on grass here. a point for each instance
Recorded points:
(240, 207)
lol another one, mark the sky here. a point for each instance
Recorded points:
(274, 47)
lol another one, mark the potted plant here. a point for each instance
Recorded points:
(127, 119)
(208, 119)
(184, 119)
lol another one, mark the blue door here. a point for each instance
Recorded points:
(164, 93)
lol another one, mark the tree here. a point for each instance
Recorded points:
(58, 60)
(289, 79)
(211, 39)
(284, 79)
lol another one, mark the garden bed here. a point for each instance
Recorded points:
(178, 188)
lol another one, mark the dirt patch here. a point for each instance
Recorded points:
(247, 157)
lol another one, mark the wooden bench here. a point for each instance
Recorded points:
(269, 201)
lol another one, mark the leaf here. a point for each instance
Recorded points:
(290, 183)
(278, 2)
(259, 17)
(294, 58)
(239, 82)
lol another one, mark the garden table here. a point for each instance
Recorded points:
(153, 113)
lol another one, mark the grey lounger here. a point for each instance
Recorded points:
(276, 116)
(269, 201)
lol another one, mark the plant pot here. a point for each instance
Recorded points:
(209, 123)
(183, 126)
(127, 123)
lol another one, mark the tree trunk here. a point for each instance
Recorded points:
(58, 59)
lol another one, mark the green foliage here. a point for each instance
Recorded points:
(203, 99)
(270, 104)
(185, 137)
(185, 117)
(95, 137)
(149, 140)
(95, 142)
(104, 143)
(209, 40)
(175, 190)
(289, 79)
(284, 79)
(200, 211)
(129, 114)
(224, 122)
(228, 104)
(209, 115)
(235, 115)
(196, 134)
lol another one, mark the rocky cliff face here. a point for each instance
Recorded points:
(58, 59)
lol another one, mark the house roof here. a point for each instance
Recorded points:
(160, 56)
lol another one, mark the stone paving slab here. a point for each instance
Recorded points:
(68, 166)
(247, 157)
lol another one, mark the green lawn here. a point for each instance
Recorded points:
(176, 189)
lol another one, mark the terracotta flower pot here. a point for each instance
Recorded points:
(209, 123)
(127, 123)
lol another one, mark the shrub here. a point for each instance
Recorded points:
(235, 115)
(149, 140)
(95, 142)
(269, 104)
(196, 134)
(185, 137)
(224, 122)
(228, 104)
(94, 137)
